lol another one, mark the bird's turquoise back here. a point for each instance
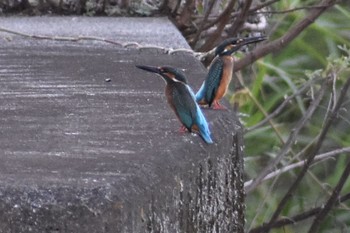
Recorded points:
(211, 84)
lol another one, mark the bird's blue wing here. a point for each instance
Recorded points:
(189, 89)
(184, 103)
(213, 79)
(201, 92)
(188, 110)
(203, 127)
(200, 120)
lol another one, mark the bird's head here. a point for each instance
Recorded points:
(168, 73)
(231, 45)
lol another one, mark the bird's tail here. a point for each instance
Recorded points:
(206, 136)
(203, 127)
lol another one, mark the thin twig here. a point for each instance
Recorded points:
(333, 198)
(261, 209)
(301, 163)
(316, 148)
(294, 219)
(281, 106)
(177, 6)
(290, 10)
(277, 45)
(262, 5)
(262, 110)
(224, 18)
(219, 18)
(292, 137)
(184, 18)
(205, 19)
(62, 38)
(331, 201)
(100, 39)
(240, 19)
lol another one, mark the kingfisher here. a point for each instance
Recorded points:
(220, 71)
(182, 100)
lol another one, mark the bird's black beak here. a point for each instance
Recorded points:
(149, 69)
(250, 40)
(232, 45)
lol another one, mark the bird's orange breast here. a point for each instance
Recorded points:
(226, 77)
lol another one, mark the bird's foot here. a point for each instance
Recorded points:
(204, 106)
(218, 106)
(183, 129)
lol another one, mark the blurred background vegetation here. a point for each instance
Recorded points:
(274, 95)
(318, 53)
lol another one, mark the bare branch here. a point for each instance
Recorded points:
(331, 201)
(260, 26)
(200, 29)
(311, 156)
(333, 198)
(218, 19)
(262, 5)
(290, 10)
(301, 163)
(281, 107)
(282, 42)
(294, 219)
(240, 19)
(100, 39)
(224, 18)
(59, 38)
(292, 137)
(184, 19)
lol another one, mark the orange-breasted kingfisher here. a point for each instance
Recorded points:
(220, 71)
(182, 100)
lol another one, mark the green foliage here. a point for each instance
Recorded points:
(320, 51)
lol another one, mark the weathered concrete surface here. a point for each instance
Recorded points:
(83, 7)
(79, 154)
(146, 31)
